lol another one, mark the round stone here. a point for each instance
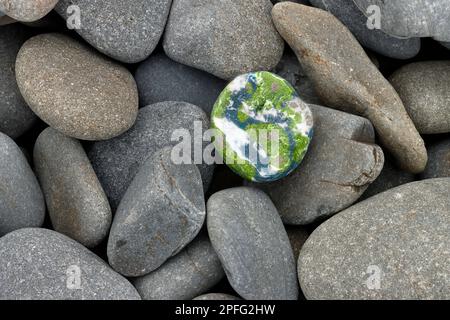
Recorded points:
(263, 127)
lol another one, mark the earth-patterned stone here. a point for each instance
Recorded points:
(126, 30)
(74, 89)
(76, 202)
(223, 37)
(21, 200)
(391, 246)
(161, 212)
(27, 10)
(41, 264)
(193, 271)
(439, 163)
(424, 88)
(341, 163)
(346, 79)
(216, 297)
(264, 127)
(117, 161)
(251, 242)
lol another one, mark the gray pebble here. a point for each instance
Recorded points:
(41, 264)
(439, 162)
(216, 297)
(76, 202)
(21, 200)
(394, 245)
(27, 10)
(249, 237)
(193, 271)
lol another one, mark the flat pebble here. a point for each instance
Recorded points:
(439, 160)
(27, 10)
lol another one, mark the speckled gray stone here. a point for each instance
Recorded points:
(400, 237)
(439, 163)
(251, 242)
(117, 161)
(126, 30)
(27, 10)
(424, 88)
(216, 297)
(162, 79)
(346, 79)
(193, 271)
(15, 116)
(41, 264)
(350, 15)
(76, 202)
(74, 89)
(21, 200)
(161, 212)
(340, 164)
(223, 37)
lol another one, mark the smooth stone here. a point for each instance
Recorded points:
(399, 237)
(190, 273)
(297, 237)
(161, 79)
(346, 79)
(27, 10)
(251, 242)
(350, 15)
(117, 161)
(74, 89)
(223, 37)
(76, 202)
(15, 116)
(424, 88)
(439, 163)
(22, 203)
(127, 31)
(341, 163)
(254, 113)
(41, 264)
(216, 297)
(161, 212)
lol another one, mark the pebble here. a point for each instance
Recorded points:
(216, 297)
(424, 88)
(162, 79)
(223, 37)
(126, 31)
(251, 242)
(76, 202)
(15, 116)
(117, 161)
(27, 10)
(190, 273)
(161, 212)
(392, 246)
(341, 163)
(439, 163)
(346, 79)
(41, 264)
(350, 15)
(95, 105)
(21, 201)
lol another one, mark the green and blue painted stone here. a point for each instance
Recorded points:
(263, 128)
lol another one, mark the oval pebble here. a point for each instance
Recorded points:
(27, 10)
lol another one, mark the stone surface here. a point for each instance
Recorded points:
(346, 79)
(193, 271)
(27, 10)
(350, 15)
(399, 237)
(162, 79)
(21, 201)
(223, 37)
(264, 127)
(74, 89)
(251, 242)
(127, 31)
(161, 212)
(216, 297)
(424, 88)
(15, 116)
(41, 264)
(117, 161)
(341, 163)
(76, 202)
(439, 163)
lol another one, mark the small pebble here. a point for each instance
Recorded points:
(27, 10)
